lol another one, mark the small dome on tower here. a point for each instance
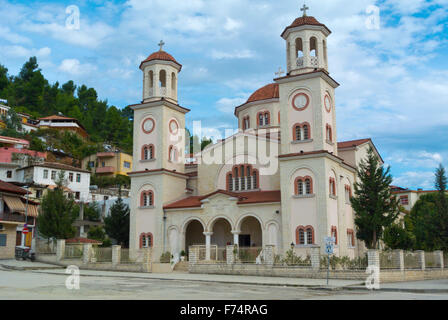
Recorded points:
(161, 55)
(305, 21)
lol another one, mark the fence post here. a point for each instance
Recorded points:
(373, 257)
(438, 255)
(60, 249)
(421, 258)
(398, 259)
(268, 253)
(193, 255)
(86, 252)
(315, 257)
(116, 255)
(230, 258)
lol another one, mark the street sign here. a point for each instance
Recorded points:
(25, 229)
(330, 239)
(329, 248)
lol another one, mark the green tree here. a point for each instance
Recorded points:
(117, 223)
(13, 124)
(398, 237)
(442, 204)
(56, 217)
(374, 206)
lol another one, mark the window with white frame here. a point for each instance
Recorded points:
(45, 174)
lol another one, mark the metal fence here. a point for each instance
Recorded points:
(100, 254)
(389, 260)
(343, 263)
(73, 251)
(46, 246)
(411, 260)
(249, 254)
(291, 259)
(431, 261)
(445, 259)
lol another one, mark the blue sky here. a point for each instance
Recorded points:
(394, 80)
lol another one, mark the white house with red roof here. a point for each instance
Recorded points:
(282, 180)
(62, 123)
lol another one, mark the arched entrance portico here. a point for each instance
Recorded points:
(194, 234)
(251, 234)
(222, 233)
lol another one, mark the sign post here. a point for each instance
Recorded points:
(329, 248)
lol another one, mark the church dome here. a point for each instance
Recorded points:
(161, 55)
(269, 91)
(305, 21)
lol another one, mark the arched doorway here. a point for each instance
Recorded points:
(194, 234)
(251, 234)
(222, 233)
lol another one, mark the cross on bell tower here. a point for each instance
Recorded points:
(304, 8)
(161, 44)
(280, 72)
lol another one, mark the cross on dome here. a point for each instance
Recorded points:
(304, 8)
(161, 44)
(279, 72)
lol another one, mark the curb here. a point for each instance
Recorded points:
(408, 290)
(28, 268)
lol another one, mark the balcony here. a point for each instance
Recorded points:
(105, 170)
(314, 62)
(11, 217)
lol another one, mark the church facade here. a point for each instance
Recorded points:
(282, 180)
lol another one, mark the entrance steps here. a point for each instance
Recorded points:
(181, 266)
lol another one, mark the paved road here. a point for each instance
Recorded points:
(51, 286)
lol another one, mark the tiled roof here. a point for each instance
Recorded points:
(352, 143)
(161, 55)
(55, 165)
(267, 92)
(8, 187)
(305, 20)
(243, 198)
(56, 117)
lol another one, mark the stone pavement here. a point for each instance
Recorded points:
(26, 265)
(233, 279)
(424, 286)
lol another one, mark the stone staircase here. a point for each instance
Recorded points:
(181, 266)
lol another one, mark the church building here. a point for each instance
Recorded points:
(281, 180)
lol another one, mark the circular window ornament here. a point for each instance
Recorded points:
(148, 125)
(327, 103)
(174, 127)
(300, 101)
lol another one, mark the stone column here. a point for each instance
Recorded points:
(398, 259)
(236, 239)
(60, 249)
(208, 236)
(268, 254)
(421, 258)
(438, 255)
(315, 257)
(86, 253)
(373, 257)
(116, 255)
(147, 259)
(230, 257)
(306, 53)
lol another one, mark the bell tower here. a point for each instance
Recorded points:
(160, 72)
(306, 44)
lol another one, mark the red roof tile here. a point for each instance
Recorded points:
(161, 55)
(243, 198)
(56, 117)
(352, 143)
(305, 20)
(8, 187)
(267, 92)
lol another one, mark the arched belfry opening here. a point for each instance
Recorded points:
(151, 82)
(162, 82)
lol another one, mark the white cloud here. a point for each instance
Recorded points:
(416, 159)
(227, 105)
(15, 51)
(236, 54)
(74, 67)
(419, 179)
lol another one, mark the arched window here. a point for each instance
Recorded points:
(299, 52)
(148, 152)
(303, 185)
(260, 119)
(350, 238)
(172, 154)
(151, 79)
(304, 235)
(162, 79)
(264, 118)
(348, 193)
(173, 82)
(306, 131)
(246, 123)
(329, 133)
(334, 233)
(298, 133)
(146, 240)
(147, 199)
(313, 47)
(242, 178)
(332, 186)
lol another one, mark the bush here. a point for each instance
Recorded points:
(165, 257)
